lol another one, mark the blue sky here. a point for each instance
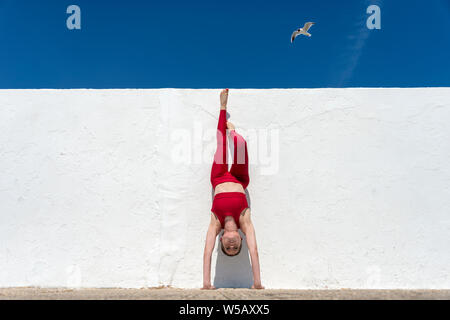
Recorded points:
(215, 44)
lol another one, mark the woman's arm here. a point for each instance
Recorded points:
(249, 231)
(211, 235)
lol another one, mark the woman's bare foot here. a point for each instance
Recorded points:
(223, 99)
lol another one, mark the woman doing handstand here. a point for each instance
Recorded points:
(230, 210)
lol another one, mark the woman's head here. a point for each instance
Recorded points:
(231, 243)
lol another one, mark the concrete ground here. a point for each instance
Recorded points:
(220, 294)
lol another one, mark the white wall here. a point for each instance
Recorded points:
(352, 192)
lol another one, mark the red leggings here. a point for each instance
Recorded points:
(239, 169)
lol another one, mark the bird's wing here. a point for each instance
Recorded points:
(294, 35)
(308, 25)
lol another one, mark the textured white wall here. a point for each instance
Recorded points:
(350, 188)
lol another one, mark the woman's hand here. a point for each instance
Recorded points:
(223, 99)
(257, 286)
(208, 287)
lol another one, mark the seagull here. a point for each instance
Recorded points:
(303, 31)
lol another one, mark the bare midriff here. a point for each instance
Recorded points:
(229, 187)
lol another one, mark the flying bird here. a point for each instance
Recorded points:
(303, 31)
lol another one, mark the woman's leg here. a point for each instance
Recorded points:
(220, 165)
(239, 169)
